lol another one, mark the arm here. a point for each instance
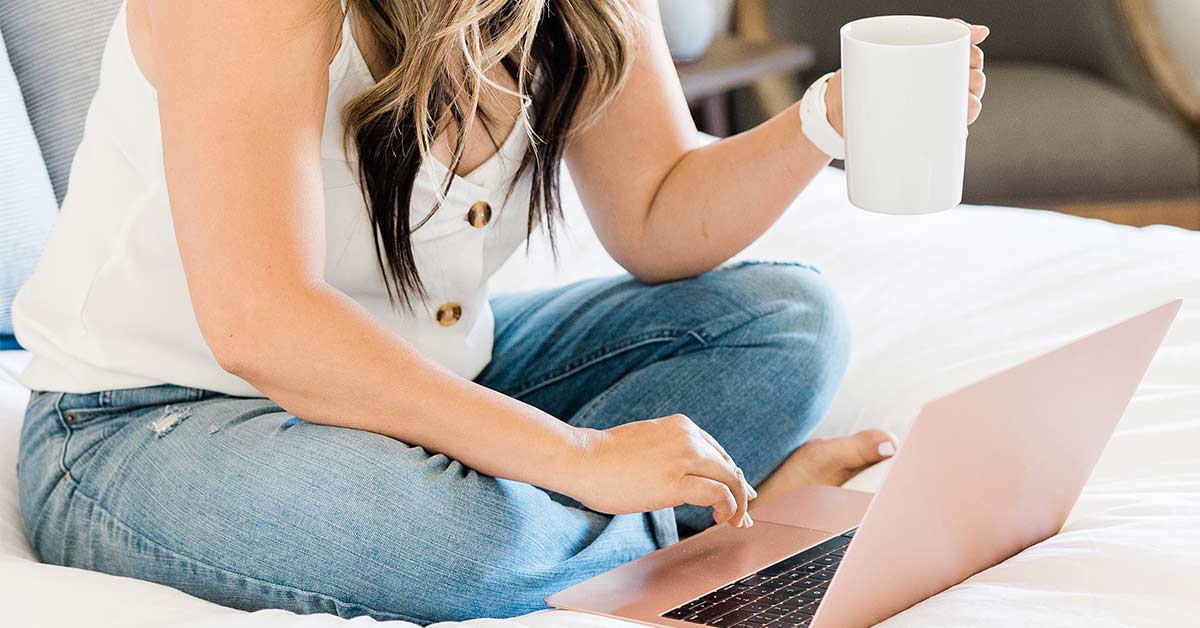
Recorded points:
(242, 93)
(666, 207)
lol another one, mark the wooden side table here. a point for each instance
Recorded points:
(733, 62)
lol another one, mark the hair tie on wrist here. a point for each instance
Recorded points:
(814, 120)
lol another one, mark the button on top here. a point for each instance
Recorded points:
(70, 418)
(449, 314)
(480, 214)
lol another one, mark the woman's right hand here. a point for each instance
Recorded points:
(660, 463)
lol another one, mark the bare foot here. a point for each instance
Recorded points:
(827, 461)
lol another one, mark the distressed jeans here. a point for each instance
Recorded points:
(236, 501)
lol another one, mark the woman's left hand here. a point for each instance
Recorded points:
(977, 84)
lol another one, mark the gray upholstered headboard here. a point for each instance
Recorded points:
(55, 49)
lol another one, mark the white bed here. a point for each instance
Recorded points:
(936, 302)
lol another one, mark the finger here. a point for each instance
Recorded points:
(979, 32)
(706, 493)
(976, 58)
(724, 454)
(716, 469)
(974, 106)
(978, 83)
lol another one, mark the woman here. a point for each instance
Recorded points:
(269, 372)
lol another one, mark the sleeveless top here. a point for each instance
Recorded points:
(108, 307)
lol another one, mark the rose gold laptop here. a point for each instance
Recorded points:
(985, 472)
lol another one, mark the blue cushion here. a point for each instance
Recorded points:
(27, 203)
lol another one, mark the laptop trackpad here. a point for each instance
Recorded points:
(827, 508)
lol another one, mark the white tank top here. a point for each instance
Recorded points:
(108, 307)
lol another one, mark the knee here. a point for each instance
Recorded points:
(795, 309)
(799, 332)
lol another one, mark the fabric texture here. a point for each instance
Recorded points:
(108, 305)
(27, 206)
(312, 518)
(55, 49)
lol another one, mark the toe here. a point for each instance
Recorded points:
(869, 447)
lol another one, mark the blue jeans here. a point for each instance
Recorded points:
(238, 502)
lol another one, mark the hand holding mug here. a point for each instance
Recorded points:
(977, 83)
(908, 88)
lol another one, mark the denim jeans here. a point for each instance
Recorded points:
(238, 502)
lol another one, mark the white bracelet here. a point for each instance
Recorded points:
(814, 120)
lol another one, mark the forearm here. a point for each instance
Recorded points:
(326, 360)
(720, 197)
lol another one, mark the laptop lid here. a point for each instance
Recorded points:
(989, 470)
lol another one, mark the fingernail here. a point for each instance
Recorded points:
(887, 449)
(750, 520)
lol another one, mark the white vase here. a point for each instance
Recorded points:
(690, 25)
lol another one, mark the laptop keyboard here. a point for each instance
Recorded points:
(783, 595)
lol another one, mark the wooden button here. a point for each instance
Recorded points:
(449, 314)
(70, 418)
(480, 214)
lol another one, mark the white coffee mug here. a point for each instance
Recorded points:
(904, 99)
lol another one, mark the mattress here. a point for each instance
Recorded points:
(935, 302)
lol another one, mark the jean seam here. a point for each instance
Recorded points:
(179, 555)
(596, 357)
(767, 262)
(62, 457)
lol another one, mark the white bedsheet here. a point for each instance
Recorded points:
(935, 302)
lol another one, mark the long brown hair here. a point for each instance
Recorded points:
(568, 59)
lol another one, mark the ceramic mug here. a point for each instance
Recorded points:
(904, 94)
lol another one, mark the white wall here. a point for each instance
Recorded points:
(1181, 24)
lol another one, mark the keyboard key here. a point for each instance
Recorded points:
(824, 574)
(840, 552)
(787, 623)
(715, 611)
(850, 534)
(731, 618)
(815, 594)
(774, 611)
(809, 583)
(777, 597)
(753, 580)
(678, 613)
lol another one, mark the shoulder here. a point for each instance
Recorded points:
(236, 31)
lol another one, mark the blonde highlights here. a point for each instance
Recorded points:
(567, 58)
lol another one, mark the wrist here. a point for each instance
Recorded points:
(570, 464)
(833, 103)
(820, 107)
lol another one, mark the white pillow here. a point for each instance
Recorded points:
(27, 205)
